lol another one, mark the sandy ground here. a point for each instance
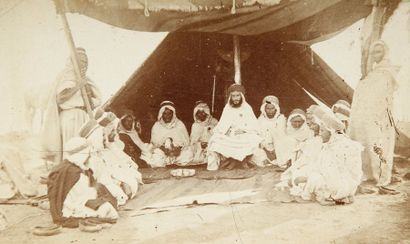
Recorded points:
(230, 211)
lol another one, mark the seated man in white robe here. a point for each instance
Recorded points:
(111, 166)
(236, 136)
(201, 131)
(308, 155)
(297, 131)
(170, 139)
(72, 190)
(335, 176)
(272, 124)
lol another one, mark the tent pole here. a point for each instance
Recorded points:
(213, 95)
(237, 60)
(74, 59)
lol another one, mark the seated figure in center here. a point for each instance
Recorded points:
(170, 139)
(236, 137)
(201, 131)
(274, 148)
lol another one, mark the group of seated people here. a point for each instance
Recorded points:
(100, 168)
(96, 176)
(319, 161)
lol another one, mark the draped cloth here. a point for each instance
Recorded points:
(68, 190)
(337, 172)
(225, 142)
(63, 121)
(201, 132)
(371, 122)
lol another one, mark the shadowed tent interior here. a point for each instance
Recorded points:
(183, 67)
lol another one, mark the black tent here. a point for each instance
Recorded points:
(274, 39)
(183, 67)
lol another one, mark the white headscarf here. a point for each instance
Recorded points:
(302, 133)
(133, 134)
(342, 110)
(202, 130)
(204, 107)
(176, 130)
(167, 105)
(385, 63)
(270, 100)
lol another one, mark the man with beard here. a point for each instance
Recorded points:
(201, 131)
(235, 138)
(170, 139)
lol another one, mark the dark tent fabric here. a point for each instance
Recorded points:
(314, 18)
(182, 69)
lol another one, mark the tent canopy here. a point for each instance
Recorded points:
(315, 18)
(197, 50)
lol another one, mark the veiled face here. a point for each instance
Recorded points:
(270, 110)
(235, 99)
(167, 115)
(201, 115)
(378, 53)
(297, 122)
(325, 134)
(127, 122)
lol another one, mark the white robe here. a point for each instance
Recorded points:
(309, 154)
(160, 134)
(337, 172)
(201, 132)
(296, 137)
(225, 142)
(371, 121)
(272, 132)
(111, 167)
(77, 197)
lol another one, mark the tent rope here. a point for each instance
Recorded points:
(146, 11)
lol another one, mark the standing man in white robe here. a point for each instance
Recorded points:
(201, 131)
(170, 139)
(272, 128)
(371, 118)
(66, 111)
(236, 136)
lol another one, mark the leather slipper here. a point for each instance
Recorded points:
(88, 226)
(46, 230)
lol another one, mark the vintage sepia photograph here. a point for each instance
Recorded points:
(204, 121)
